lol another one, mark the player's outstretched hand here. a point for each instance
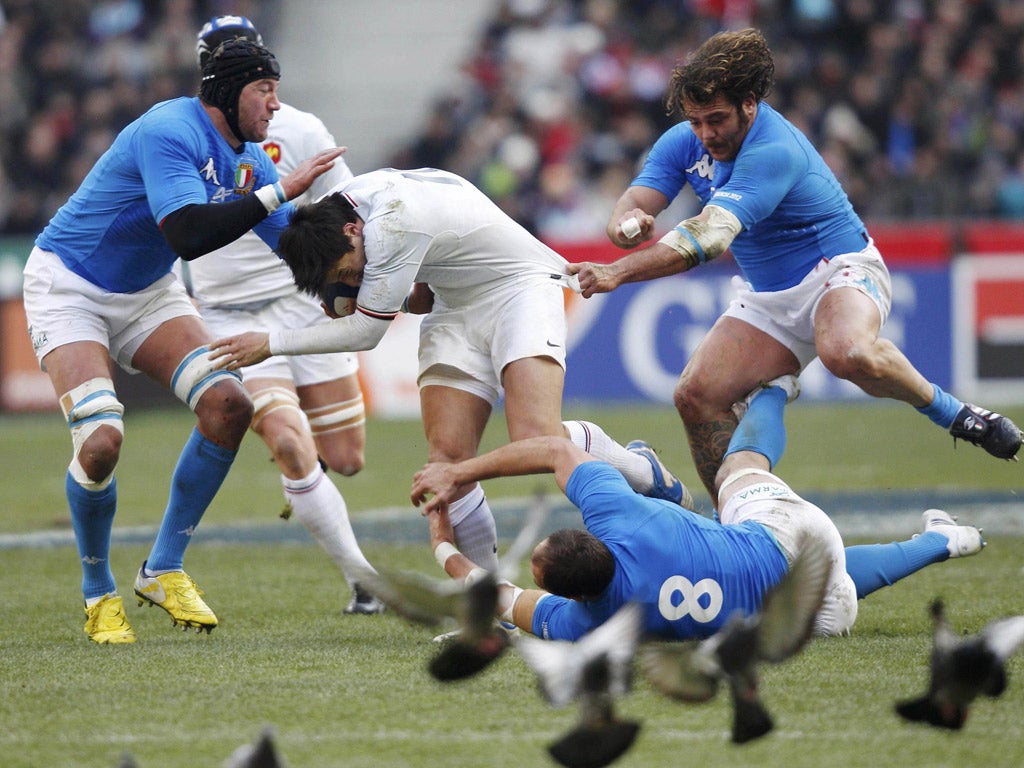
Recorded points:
(436, 479)
(306, 172)
(237, 352)
(595, 278)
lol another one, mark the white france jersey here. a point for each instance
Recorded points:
(247, 271)
(432, 226)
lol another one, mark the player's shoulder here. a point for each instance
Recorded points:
(177, 120)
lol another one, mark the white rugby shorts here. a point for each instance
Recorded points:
(788, 316)
(774, 505)
(63, 308)
(467, 347)
(296, 310)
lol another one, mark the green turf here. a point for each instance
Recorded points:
(865, 446)
(353, 691)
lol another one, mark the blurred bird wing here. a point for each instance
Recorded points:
(618, 639)
(557, 666)
(789, 609)
(508, 566)
(476, 611)
(1004, 636)
(683, 671)
(262, 754)
(418, 597)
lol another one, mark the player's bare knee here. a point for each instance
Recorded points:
(225, 412)
(217, 397)
(691, 400)
(346, 462)
(100, 453)
(851, 362)
(293, 450)
(94, 415)
(339, 430)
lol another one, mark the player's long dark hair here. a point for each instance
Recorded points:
(314, 240)
(732, 64)
(574, 564)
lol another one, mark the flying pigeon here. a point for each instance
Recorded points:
(693, 671)
(479, 639)
(262, 754)
(593, 671)
(963, 668)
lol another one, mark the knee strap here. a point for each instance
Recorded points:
(87, 407)
(195, 374)
(337, 416)
(268, 400)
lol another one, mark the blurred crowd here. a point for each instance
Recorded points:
(917, 105)
(73, 73)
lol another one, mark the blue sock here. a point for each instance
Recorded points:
(942, 409)
(873, 566)
(92, 518)
(202, 467)
(762, 429)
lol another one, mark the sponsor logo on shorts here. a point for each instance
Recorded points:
(39, 338)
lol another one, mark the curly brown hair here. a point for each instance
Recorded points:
(732, 64)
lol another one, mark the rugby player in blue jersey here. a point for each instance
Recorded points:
(688, 572)
(816, 285)
(180, 181)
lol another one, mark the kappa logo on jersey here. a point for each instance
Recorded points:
(245, 177)
(209, 172)
(704, 167)
(692, 599)
(273, 149)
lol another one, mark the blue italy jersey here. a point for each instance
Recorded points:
(677, 159)
(793, 210)
(689, 573)
(172, 156)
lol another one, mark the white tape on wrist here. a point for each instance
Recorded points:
(272, 196)
(443, 551)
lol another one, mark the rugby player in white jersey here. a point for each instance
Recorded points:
(496, 325)
(306, 405)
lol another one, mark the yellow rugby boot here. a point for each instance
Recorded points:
(105, 621)
(177, 594)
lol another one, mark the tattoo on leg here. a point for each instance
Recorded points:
(708, 443)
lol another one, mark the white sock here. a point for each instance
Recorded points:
(475, 532)
(319, 505)
(591, 438)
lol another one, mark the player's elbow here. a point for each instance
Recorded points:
(184, 239)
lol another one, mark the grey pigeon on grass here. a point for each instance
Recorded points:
(962, 668)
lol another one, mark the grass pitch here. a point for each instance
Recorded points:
(354, 691)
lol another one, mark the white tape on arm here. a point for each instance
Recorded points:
(443, 551)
